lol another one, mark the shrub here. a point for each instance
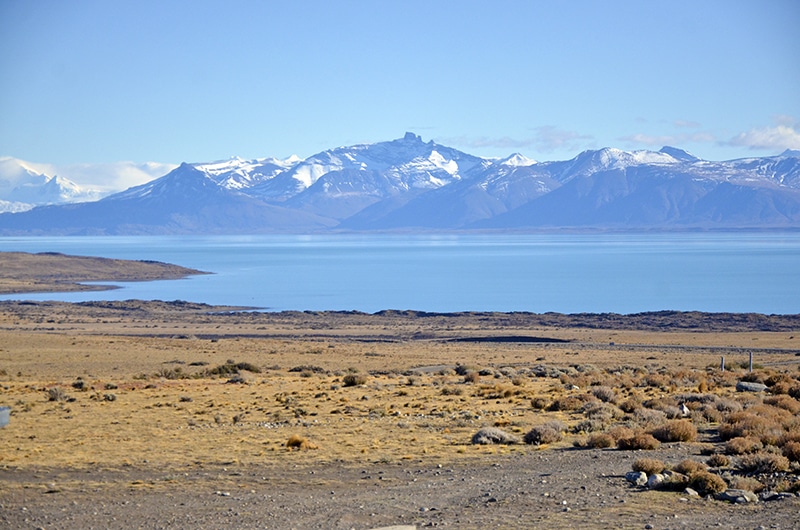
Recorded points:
(719, 460)
(649, 466)
(56, 393)
(791, 450)
(742, 445)
(747, 483)
(472, 377)
(539, 403)
(727, 405)
(647, 417)
(299, 442)
(747, 423)
(567, 403)
(784, 402)
(689, 467)
(619, 432)
(601, 440)
(764, 463)
(547, 433)
(707, 483)
(630, 405)
(605, 394)
(675, 431)
(493, 435)
(591, 425)
(354, 380)
(640, 440)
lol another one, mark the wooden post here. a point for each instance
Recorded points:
(722, 364)
(751, 361)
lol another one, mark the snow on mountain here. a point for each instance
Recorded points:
(22, 187)
(397, 166)
(409, 184)
(517, 160)
(236, 173)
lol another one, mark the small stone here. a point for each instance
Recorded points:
(737, 496)
(747, 386)
(637, 478)
(691, 493)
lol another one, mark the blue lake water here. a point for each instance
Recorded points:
(622, 273)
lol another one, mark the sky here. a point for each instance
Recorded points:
(98, 82)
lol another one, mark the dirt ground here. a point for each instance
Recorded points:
(147, 430)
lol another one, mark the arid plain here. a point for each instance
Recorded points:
(172, 414)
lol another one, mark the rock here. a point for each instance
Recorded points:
(637, 478)
(397, 527)
(775, 496)
(746, 386)
(691, 493)
(655, 481)
(737, 496)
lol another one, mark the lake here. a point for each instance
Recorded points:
(622, 273)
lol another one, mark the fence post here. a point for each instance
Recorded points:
(722, 364)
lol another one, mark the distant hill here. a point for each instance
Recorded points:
(408, 184)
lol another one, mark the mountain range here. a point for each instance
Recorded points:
(408, 184)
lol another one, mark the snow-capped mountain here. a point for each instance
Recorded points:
(410, 184)
(22, 187)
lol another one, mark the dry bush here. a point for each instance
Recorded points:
(56, 393)
(630, 405)
(619, 432)
(794, 391)
(689, 467)
(452, 391)
(784, 402)
(656, 380)
(728, 406)
(639, 441)
(648, 417)
(675, 431)
(747, 423)
(791, 450)
(590, 425)
(299, 442)
(606, 394)
(539, 403)
(547, 433)
(661, 403)
(472, 377)
(709, 413)
(493, 435)
(601, 440)
(649, 466)
(601, 411)
(743, 445)
(718, 460)
(354, 380)
(764, 463)
(707, 483)
(747, 483)
(568, 403)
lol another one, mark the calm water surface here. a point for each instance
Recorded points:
(622, 273)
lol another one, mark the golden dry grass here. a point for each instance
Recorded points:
(168, 411)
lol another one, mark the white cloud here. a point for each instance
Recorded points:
(546, 139)
(778, 138)
(104, 177)
(675, 140)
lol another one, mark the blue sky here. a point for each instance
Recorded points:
(172, 81)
